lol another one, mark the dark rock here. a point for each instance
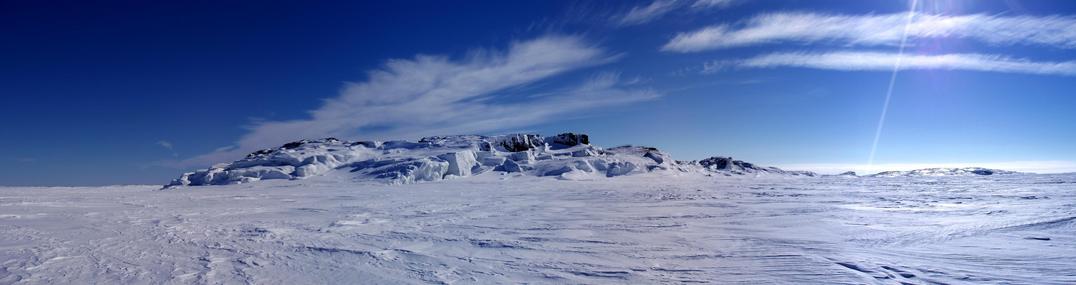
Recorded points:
(366, 144)
(794, 172)
(521, 142)
(260, 153)
(294, 144)
(717, 163)
(727, 163)
(571, 139)
(485, 146)
(403, 144)
(432, 139)
(657, 158)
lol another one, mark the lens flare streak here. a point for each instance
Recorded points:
(892, 81)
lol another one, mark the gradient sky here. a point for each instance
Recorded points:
(139, 91)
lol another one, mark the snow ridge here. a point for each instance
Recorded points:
(927, 172)
(565, 156)
(568, 156)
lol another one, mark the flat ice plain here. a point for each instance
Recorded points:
(496, 229)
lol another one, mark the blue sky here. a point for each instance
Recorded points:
(138, 92)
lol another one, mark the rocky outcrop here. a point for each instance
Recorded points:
(566, 156)
(731, 166)
(569, 139)
(520, 142)
(927, 172)
(720, 163)
(847, 174)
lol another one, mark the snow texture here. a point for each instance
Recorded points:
(541, 210)
(658, 227)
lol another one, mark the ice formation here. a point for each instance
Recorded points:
(566, 156)
(965, 171)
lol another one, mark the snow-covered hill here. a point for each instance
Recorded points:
(965, 171)
(566, 156)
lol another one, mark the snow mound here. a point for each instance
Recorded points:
(568, 156)
(729, 166)
(930, 172)
(294, 160)
(846, 174)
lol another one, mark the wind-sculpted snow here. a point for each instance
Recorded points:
(658, 227)
(293, 160)
(566, 156)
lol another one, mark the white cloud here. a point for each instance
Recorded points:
(1055, 31)
(436, 95)
(852, 61)
(168, 145)
(645, 14)
(165, 144)
(711, 3)
(659, 8)
(1020, 166)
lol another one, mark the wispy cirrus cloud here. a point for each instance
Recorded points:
(711, 3)
(436, 95)
(659, 8)
(880, 61)
(643, 14)
(165, 144)
(168, 145)
(866, 30)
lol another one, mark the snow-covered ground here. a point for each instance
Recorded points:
(498, 227)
